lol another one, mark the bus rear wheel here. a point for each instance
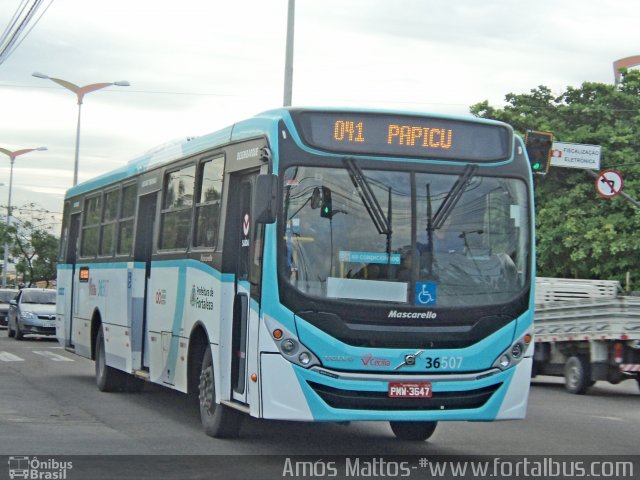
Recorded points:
(108, 379)
(218, 420)
(413, 431)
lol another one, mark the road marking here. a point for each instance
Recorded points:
(10, 357)
(52, 356)
(614, 419)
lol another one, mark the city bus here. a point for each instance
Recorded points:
(326, 265)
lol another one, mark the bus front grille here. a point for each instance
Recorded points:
(364, 400)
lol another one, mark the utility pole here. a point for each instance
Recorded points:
(288, 64)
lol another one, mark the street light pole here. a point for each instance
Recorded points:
(12, 157)
(288, 62)
(80, 93)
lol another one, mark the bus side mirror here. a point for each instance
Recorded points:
(266, 199)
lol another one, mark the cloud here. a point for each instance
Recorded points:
(196, 66)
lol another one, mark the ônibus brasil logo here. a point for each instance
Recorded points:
(27, 467)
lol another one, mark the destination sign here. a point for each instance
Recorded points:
(405, 136)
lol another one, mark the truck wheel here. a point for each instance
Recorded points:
(218, 420)
(577, 375)
(413, 431)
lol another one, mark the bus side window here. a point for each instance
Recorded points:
(64, 234)
(208, 206)
(177, 206)
(109, 217)
(125, 224)
(91, 226)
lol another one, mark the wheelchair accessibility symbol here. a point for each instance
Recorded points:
(425, 293)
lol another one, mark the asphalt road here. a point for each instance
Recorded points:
(49, 405)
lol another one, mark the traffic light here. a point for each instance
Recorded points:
(326, 208)
(539, 150)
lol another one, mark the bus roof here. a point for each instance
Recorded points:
(264, 123)
(168, 152)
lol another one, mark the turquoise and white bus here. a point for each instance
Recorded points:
(312, 265)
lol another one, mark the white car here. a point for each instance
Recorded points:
(33, 311)
(6, 295)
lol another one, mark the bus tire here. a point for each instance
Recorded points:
(218, 420)
(413, 431)
(108, 379)
(577, 375)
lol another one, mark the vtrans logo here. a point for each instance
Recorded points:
(417, 315)
(369, 360)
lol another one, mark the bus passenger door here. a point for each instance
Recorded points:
(142, 251)
(71, 304)
(248, 244)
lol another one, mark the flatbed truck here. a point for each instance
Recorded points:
(586, 331)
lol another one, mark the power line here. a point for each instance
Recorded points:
(5, 39)
(16, 31)
(238, 95)
(154, 92)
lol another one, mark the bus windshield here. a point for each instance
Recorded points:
(407, 237)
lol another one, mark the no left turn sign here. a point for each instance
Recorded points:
(609, 183)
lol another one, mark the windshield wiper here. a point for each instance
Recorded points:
(369, 199)
(454, 195)
(381, 221)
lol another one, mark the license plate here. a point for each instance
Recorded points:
(410, 390)
(50, 323)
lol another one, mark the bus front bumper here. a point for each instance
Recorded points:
(290, 392)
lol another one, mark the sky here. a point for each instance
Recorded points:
(196, 66)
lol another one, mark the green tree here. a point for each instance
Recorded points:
(32, 246)
(579, 233)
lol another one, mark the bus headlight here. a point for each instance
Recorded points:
(516, 350)
(305, 358)
(515, 353)
(504, 361)
(289, 345)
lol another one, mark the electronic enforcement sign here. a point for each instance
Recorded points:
(405, 136)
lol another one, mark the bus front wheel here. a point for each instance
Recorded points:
(413, 431)
(217, 419)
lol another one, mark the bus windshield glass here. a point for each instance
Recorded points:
(415, 238)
